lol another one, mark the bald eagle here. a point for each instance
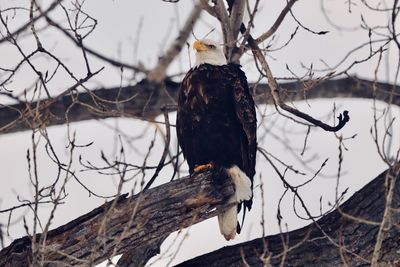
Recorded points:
(216, 126)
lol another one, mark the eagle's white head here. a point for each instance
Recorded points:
(208, 51)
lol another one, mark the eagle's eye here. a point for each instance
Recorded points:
(211, 46)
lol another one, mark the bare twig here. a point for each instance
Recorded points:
(158, 74)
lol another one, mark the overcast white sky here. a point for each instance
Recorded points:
(117, 33)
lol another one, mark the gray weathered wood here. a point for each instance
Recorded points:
(146, 218)
(187, 201)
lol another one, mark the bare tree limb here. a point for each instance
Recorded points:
(236, 17)
(207, 7)
(181, 203)
(159, 73)
(219, 11)
(309, 247)
(92, 238)
(276, 92)
(277, 22)
(145, 100)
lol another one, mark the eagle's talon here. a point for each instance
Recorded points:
(204, 167)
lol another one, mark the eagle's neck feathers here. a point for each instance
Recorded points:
(216, 58)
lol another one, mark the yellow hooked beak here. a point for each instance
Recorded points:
(199, 46)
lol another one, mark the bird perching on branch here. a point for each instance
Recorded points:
(216, 126)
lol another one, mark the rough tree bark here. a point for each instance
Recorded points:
(145, 99)
(343, 235)
(135, 224)
(351, 240)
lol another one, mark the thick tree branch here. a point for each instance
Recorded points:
(236, 17)
(145, 100)
(309, 247)
(132, 224)
(164, 209)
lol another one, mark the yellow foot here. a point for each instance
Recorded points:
(200, 168)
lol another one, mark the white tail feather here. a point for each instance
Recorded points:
(228, 218)
(227, 221)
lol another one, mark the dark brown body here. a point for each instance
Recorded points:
(216, 120)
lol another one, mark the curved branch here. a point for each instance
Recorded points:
(276, 94)
(309, 247)
(277, 22)
(145, 100)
